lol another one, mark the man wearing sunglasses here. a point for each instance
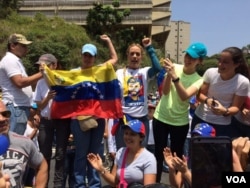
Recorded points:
(21, 152)
(15, 83)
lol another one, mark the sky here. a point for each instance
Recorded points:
(216, 23)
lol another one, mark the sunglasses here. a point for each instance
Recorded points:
(6, 113)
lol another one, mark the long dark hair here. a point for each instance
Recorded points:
(238, 58)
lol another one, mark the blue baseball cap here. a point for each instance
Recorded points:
(197, 50)
(204, 129)
(136, 126)
(89, 48)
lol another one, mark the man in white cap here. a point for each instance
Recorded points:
(15, 83)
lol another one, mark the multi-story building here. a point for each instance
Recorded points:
(178, 40)
(151, 17)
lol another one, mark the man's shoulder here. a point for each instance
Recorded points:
(18, 136)
(8, 56)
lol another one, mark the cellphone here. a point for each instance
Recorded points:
(210, 156)
(214, 104)
(168, 55)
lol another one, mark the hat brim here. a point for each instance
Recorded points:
(197, 132)
(46, 62)
(88, 51)
(25, 42)
(135, 131)
(192, 53)
(128, 127)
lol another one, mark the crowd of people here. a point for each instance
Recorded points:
(154, 129)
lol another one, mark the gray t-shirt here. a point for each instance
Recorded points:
(145, 163)
(21, 152)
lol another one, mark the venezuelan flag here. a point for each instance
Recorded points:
(94, 91)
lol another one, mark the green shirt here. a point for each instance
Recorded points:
(171, 109)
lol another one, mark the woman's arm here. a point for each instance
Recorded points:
(175, 177)
(184, 93)
(113, 56)
(156, 67)
(166, 85)
(43, 103)
(241, 150)
(96, 163)
(149, 179)
(181, 166)
(202, 94)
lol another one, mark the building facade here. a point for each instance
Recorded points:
(151, 17)
(178, 40)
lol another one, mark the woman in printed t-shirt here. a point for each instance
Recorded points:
(134, 84)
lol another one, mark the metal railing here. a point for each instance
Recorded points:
(35, 3)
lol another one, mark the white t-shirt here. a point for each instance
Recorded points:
(239, 116)
(10, 66)
(28, 132)
(223, 91)
(134, 87)
(41, 92)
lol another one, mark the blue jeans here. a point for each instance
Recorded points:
(19, 117)
(47, 130)
(86, 142)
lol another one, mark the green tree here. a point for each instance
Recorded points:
(49, 35)
(246, 51)
(8, 6)
(105, 18)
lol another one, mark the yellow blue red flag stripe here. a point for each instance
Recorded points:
(94, 91)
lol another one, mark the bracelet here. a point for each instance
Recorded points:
(176, 80)
(226, 113)
(103, 171)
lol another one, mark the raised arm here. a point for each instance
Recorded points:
(156, 67)
(113, 56)
(184, 93)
